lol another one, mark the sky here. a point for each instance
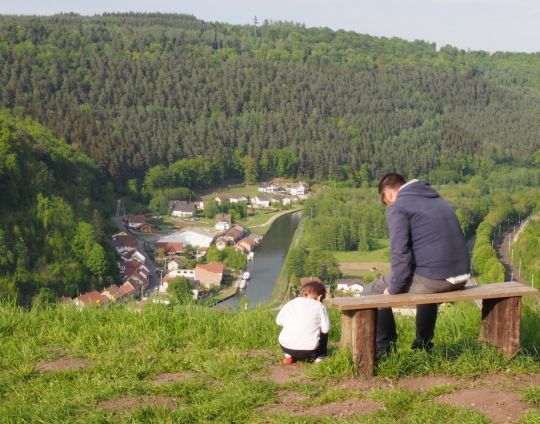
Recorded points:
(490, 25)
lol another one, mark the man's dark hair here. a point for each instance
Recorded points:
(391, 180)
(313, 288)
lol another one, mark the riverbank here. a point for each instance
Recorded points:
(281, 291)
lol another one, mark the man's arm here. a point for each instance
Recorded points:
(400, 250)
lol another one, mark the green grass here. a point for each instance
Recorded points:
(245, 190)
(380, 254)
(227, 355)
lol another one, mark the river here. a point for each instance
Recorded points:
(269, 258)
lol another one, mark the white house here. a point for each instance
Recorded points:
(194, 237)
(182, 209)
(261, 201)
(136, 221)
(133, 255)
(231, 198)
(297, 189)
(222, 243)
(223, 222)
(351, 285)
(270, 188)
(174, 264)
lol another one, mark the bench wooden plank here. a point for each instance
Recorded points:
(484, 291)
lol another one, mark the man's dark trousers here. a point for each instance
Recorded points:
(426, 315)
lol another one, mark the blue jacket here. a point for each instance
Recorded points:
(425, 237)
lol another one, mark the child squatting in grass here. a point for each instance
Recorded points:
(305, 325)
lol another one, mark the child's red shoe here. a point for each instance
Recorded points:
(288, 360)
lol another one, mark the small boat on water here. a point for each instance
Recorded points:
(246, 275)
(242, 285)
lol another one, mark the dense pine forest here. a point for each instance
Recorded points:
(134, 91)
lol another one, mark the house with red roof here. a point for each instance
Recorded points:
(210, 275)
(113, 293)
(92, 298)
(136, 221)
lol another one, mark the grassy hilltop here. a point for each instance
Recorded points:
(172, 364)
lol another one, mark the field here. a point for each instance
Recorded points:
(366, 265)
(194, 365)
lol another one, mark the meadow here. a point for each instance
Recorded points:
(194, 365)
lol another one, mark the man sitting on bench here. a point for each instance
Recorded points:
(428, 255)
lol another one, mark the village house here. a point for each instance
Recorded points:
(174, 264)
(170, 248)
(257, 238)
(182, 209)
(133, 255)
(223, 222)
(210, 275)
(188, 273)
(194, 237)
(222, 243)
(199, 203)
(130, 289)
(234, 234)
(113, 293)
(350, 285)
(284, 200)
(136, 221)
(246, 245)
(231, 198)
(123, 242)
(261, 200)
(92, 298)
(269, 188)
(298, 189)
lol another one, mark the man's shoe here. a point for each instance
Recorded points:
(319, 359)
(384, 351)
(288, 360)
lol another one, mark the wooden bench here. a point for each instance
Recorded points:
(501, 316)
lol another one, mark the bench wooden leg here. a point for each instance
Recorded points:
(363, 332)
(346, 329)
(501, 323)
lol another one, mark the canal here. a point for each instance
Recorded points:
(266, 266)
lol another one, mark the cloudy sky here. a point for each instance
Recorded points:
(492, 25)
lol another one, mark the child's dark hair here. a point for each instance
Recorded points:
(313, 288)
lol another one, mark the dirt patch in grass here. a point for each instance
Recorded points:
(362, 384)
(258, 353)
(283, 374)
(498, 405)
(427, 382)
(62, 365)
(134, 402)
(295, 403)
(172, 377)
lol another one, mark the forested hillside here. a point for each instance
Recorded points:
(135, 91)
(52, 200)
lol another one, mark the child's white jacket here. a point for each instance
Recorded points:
(302, 319)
